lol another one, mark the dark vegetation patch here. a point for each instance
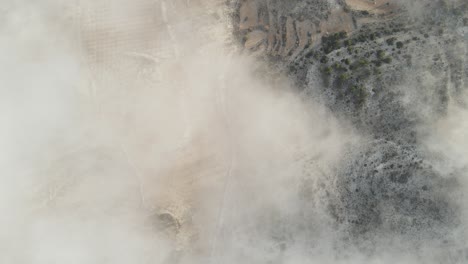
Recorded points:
(333, 41)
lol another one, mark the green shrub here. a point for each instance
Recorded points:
(327, 70)
(343, 77)
(332, 42)
(363, 62)
(359, 94)
(387, 60)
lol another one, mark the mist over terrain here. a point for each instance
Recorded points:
(253, 131)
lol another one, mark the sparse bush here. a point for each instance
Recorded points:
(399, 44)
(343, 77)
(380, 54)
(359, 94)
(361, 38)
(326, 72)
(324, 59)
(339, 67)
(363, 62)
(332, 42)
(391, 41)
(348, 42)
(387, 60)
(244, 39)
(346, 9)
(377, 63)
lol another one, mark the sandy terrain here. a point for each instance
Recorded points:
(337, 21)
(373, 6)
(145, 50)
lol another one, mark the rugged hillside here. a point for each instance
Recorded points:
(234, 131)
(391, 68)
